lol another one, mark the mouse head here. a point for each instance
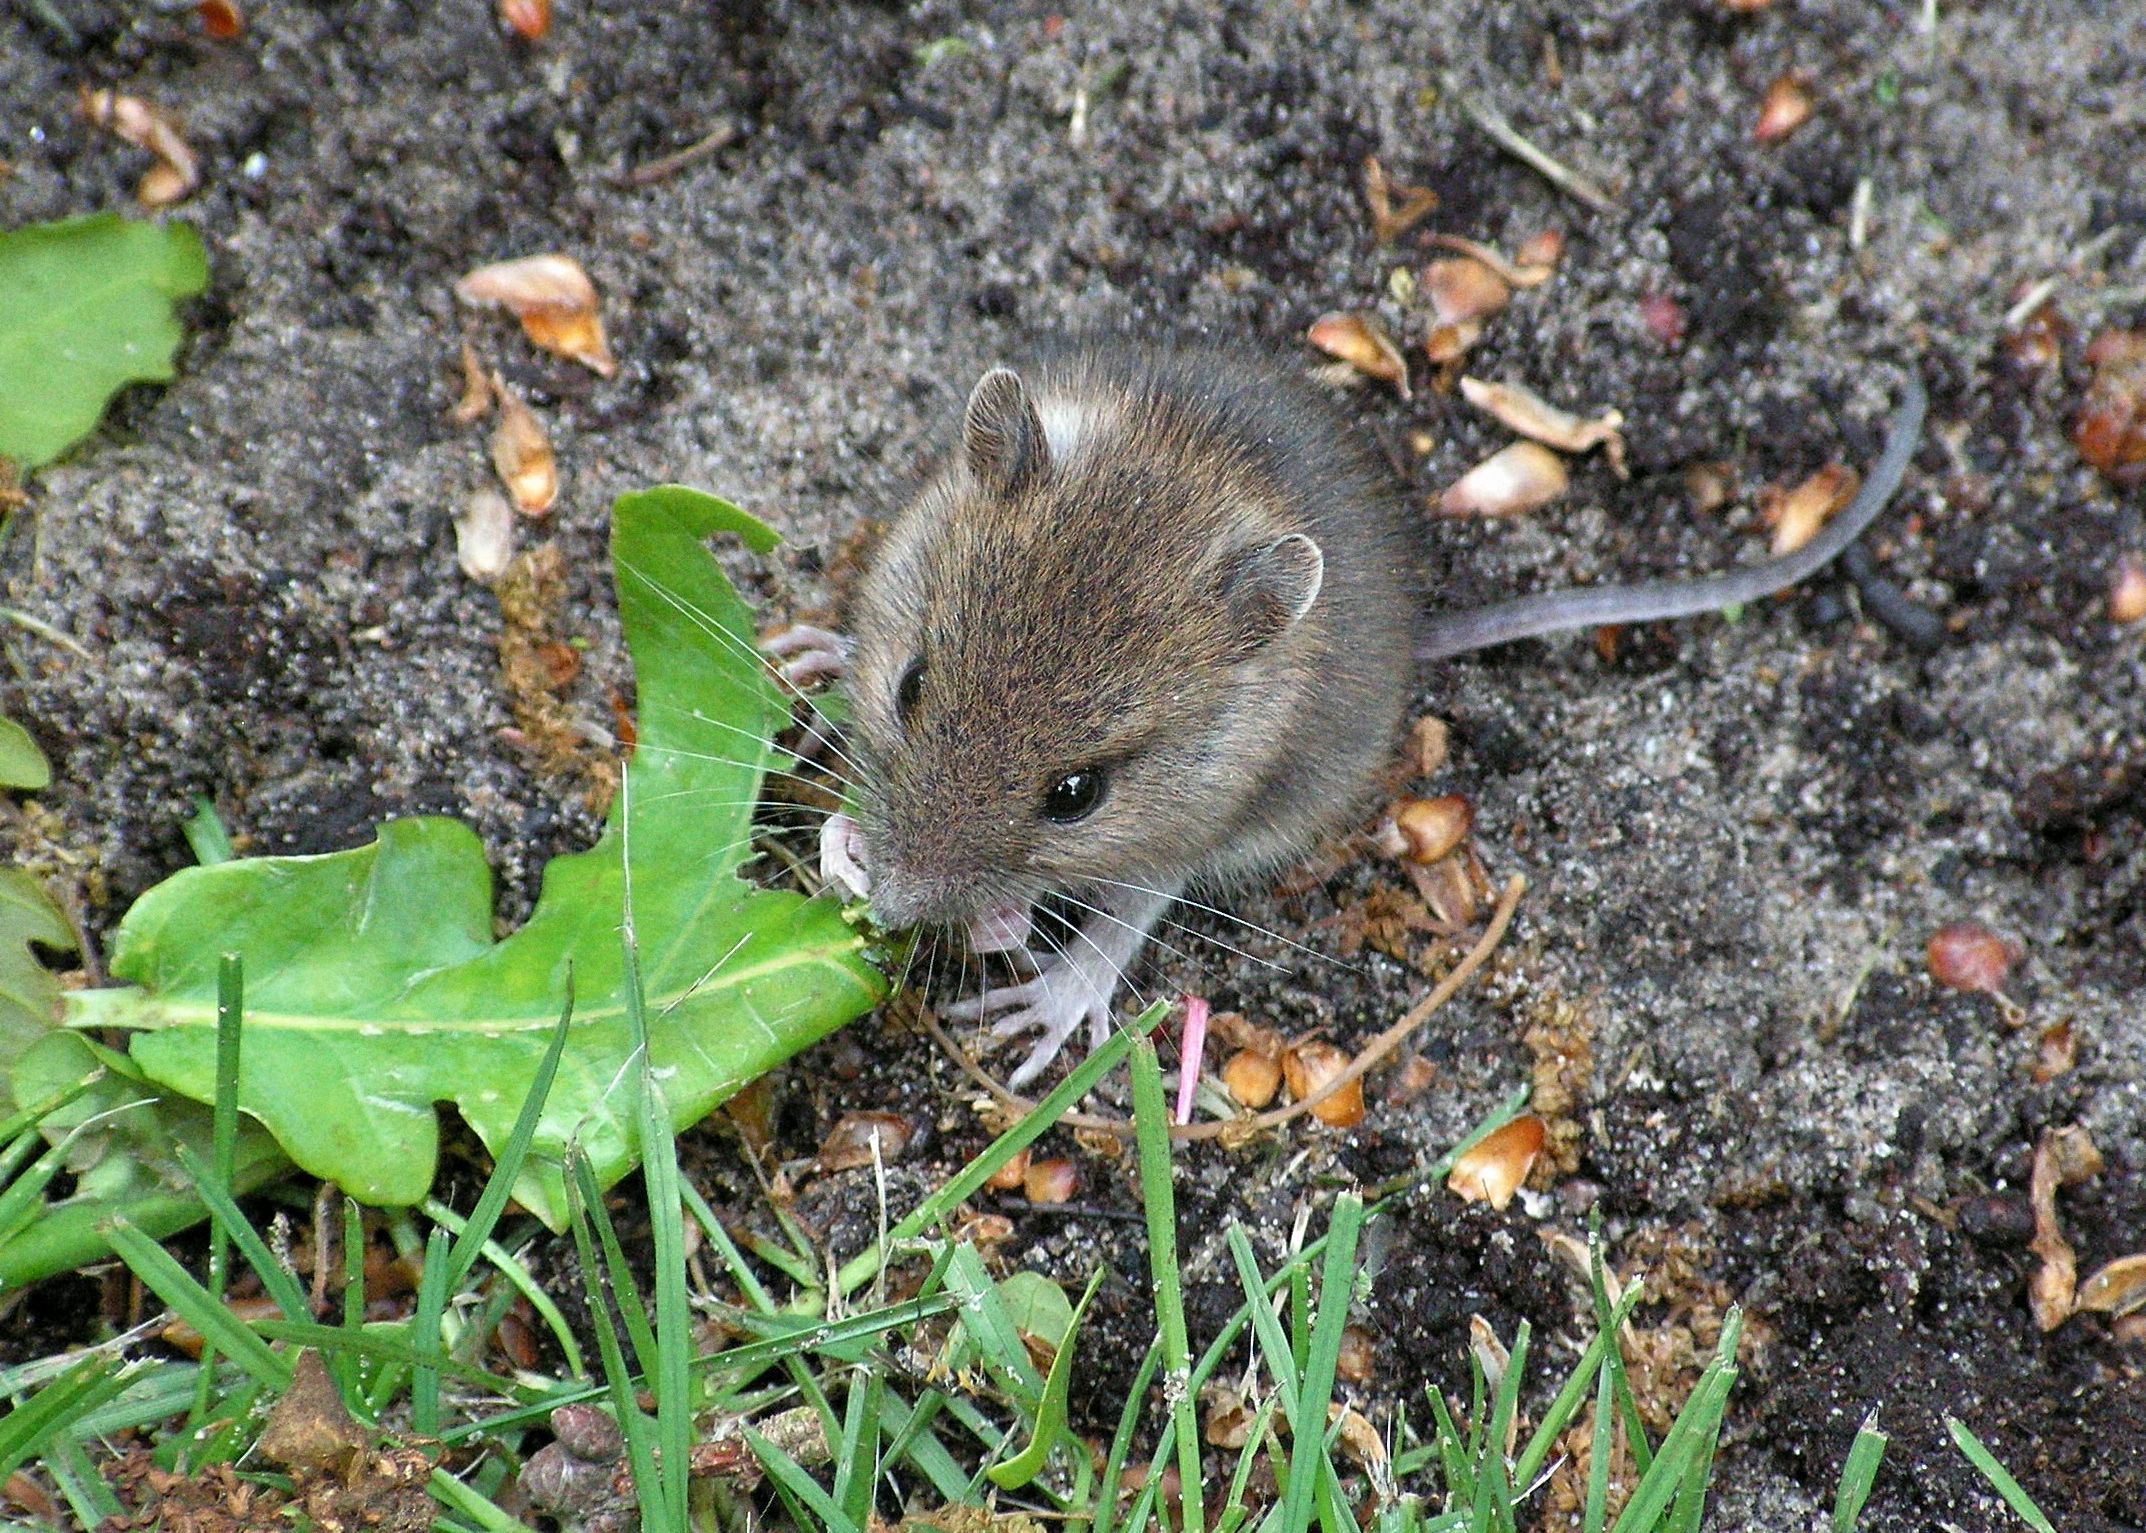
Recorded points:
(1075, 654)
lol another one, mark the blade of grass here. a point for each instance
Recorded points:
(1635, 1431)
(857, 1452)
(1544, 1441)
(507, 1169)
(187, 1299)
(1337, 1281)
(1594, 1517)
(480, 1509)
(223, 1142)
(633, 1426)
(1858, 1474)
(87, 1495)
(785, 1470)
(227, 1219)
(425, 1335)
(1121, 1441)
(81, 1389)
(521, 1280)
(205, 833)
(624, 1292)
(1158, 1198)
(344, 1367)
(1693, 1432)
(1051, 1412)
(860, 1269)
(2015, 1496)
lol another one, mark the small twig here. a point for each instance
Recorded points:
(1508, 138)
(44, 630)
(716, 139)
(1377, 1050)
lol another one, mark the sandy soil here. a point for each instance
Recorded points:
(1738, 836)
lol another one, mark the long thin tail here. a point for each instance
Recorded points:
(1653, 601)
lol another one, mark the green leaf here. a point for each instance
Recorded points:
(22, 764)
(376, 990)
(29, 992)
(85, 309)
(1051, 1410)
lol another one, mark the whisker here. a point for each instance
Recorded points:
(754, 735)
(1146, 937)
(737, 645)
(1250, 926)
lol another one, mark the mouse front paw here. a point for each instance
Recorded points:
(1053, 1005)
(805, 654)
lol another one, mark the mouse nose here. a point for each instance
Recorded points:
(902, 898)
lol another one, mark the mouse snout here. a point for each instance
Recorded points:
(902, 897)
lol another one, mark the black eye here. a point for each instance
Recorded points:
(1074, 796)
(909, 689)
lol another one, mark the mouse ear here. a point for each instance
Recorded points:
(1271, 586)
(1001, 434)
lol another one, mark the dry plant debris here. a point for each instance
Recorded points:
(537, 666)
(1523, 477)
(2110, 431)
(1787, 106)
(555, 301)
(146, 125)
(484, 535)
(2127, 589)
(1395, 209)
(1311, 1069)
(526, 18)
(1796, 515)
(1358, 340)
(1494, 1168)
(221, 19)
(1969, 956)
(2063, 1157)
(522, 455)
(1524, 411)
(863, 1139)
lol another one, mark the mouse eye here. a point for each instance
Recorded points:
(1074, 796)
(909, 689)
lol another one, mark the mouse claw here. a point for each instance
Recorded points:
(1053, 1004)
(805, 654)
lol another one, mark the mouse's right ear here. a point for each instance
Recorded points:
(1001, 435)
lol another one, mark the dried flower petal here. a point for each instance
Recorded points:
(1360, 1441)
(555, 301)
(1788, 106)
(1462, 289)
(2062, 1157)
(2055, 1052)
(1796, 516)
(484, 536)
(1308, 1066)
(1051, 1181)
(1493, 1169)
(2127, 590)
(522, 454)
(1357, 340)
(2116, 1288)
(1532, 416)
(1521, 478)
(1967, 956)
(148, 126)
(1388, 220)
(1252, 1078)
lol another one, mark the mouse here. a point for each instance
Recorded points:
(1153, 628)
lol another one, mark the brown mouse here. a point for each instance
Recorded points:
(1153, 626)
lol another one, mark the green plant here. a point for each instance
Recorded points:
(85, 309)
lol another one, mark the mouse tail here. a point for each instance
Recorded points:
(1655, 601)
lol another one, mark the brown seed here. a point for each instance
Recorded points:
(1308, 1066)
(146, 125)
(1796, 516)
(1492, 1171)
(1427, 746)
(1450, 342)
(220, 19)
(1051, 1181)
(555, 301)
(1513, 273)
(1360, 1441)
(2055, 1052)
(1787, 106)
(1464, 290)
(1968, 956)
(851, 1142)
(484, 536)
(1252, 1078)
(1011, 1175)
(522, 454)
(1520, 478)
(2127, 590)
(1544, 250)
(1536, 418)
(1358, 1356)
(1431, 828)
(1357, 340)
(476, 397)
(2116, 1288)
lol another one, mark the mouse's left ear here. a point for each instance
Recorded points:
(1001, 435)
(1269, 587)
